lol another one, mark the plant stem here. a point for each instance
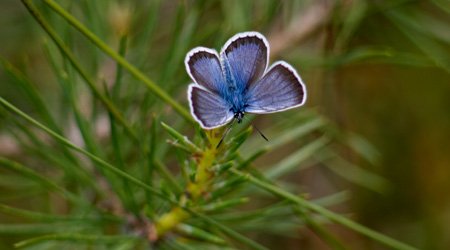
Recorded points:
(194, 190)
(170, 220)
(206, 161)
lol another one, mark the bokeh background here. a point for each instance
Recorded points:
(378, 69)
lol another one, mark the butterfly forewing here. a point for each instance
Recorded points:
(209, 109)
(280, 89)
(204, 67)
(247, 54)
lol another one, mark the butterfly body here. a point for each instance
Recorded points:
(234, 92)
(237, 81)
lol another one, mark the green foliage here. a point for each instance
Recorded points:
(115, 161)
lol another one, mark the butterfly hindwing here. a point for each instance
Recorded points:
(209, 109)
(247, 54)
(280, 89)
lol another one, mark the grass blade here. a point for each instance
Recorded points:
(66, 52)
(108, 50)
(81, 238)
(388, 241)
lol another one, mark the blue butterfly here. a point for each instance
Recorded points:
(237, 81)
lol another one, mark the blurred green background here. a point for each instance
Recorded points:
(379, 69)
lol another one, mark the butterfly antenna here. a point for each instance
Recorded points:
(224, 134)
(256, 128)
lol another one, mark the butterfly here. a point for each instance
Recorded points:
(237, 81)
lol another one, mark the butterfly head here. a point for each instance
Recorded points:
(238, 116)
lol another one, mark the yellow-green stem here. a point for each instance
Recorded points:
(204, 174)
(168, 221)
(195, 190)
